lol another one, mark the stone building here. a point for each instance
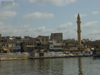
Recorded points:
(57, 37)
(17, 38)
(43, 42)
(43, 39)
(3, 41)
(28, 43)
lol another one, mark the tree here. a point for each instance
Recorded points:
(97, 46)
(79, 48)
(1, 49)
(25, 50)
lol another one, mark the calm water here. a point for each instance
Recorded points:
(54, 66)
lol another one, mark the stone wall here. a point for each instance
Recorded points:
(12, 56)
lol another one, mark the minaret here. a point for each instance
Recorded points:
(79, 29)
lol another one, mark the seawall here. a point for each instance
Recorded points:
(12, 56)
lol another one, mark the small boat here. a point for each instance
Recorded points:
(96, 53)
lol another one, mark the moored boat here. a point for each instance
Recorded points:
(96, 53)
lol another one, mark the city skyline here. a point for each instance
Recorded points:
(43, 17)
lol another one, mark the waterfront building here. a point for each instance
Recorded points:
(28, 46)
(43, 39)
(16, 49)
(55, 46)
(43, 42)
(44, 54)
(57, 37)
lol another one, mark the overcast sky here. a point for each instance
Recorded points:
(43, 17)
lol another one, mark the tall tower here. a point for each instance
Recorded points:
(79, 29)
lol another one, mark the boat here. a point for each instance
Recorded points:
(96, 53)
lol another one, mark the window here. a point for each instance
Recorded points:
(42, 39)
(46, 39)
(41, 54)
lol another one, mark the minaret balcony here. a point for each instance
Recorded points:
(79, 31)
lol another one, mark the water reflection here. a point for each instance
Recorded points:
(54, 66)
(70, 66)
(80, 68)
(96, 58)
